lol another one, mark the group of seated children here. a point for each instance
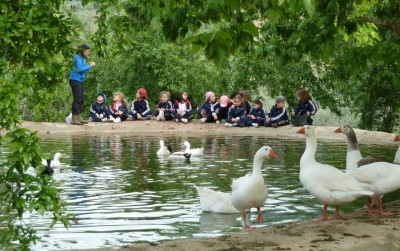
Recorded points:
(236, 112)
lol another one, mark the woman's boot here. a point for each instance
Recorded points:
(81, 119)
(75, 120)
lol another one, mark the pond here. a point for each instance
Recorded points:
(122, 193)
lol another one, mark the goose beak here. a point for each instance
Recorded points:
(272, 154)
(338, 130)
(301, 131)
(396, 138)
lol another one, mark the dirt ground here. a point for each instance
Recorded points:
(352, 231)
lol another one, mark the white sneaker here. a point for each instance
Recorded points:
(111, 118)
(177, 120)
(255, 125)
(117, 120)
(203, 120)
(90, 119)
(104, 119)
(228, 125)
(217, 122)
(184, 121)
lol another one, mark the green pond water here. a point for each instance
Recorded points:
(122, 193)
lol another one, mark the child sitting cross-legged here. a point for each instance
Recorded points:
(236, 112)
(99, 111)
(164, 107)
(140, 109)
(277, 116)
(208, 110)
(182, 108)
(256, 117)
(118, 109)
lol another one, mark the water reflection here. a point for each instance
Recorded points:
(121, 192)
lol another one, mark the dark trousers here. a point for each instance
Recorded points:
(79, 99)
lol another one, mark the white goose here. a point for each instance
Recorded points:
(164, 150)
(397, 156)
(327, 183)
(381, 177)
(55, 162)
(195, 151)
(215, 201)
(250, 190)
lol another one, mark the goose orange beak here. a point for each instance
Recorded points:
(338, 130)
(396, 138)
(301, 131)
(272, 154)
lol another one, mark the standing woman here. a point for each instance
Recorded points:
(78, 75)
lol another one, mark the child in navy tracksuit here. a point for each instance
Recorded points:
(277, 116)
(140, 108)
(118, 108)
(236, 112)
(305, 106)
(164, 107)
(256, 117)
(182, 108)
(223, 108)
(98, 110)
(208, 110)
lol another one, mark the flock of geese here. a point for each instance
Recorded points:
(369, 176)
(366, 176)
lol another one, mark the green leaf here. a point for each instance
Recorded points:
(272, 16)
(309, 5)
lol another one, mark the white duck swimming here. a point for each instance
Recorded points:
(397, 156)
(184, 155)
(250, 190)
(55, 162)
(196, 152)
(381, 177)
(327, 183)
(164, 150)
(215, 201)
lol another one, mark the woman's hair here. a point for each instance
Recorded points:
(122, 96)
(165, 93)
(82, 48)
(258, 102)
(303, 95)
(179, 97)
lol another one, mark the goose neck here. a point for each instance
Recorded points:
(311, 146)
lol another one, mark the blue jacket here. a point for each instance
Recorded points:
(166, 105)
(237, 112)
(277, 114)
(141, 106)
(79, 69)
(303, 108)
(259, 113)
(97, 108)
(209, 107)
(122, 108)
